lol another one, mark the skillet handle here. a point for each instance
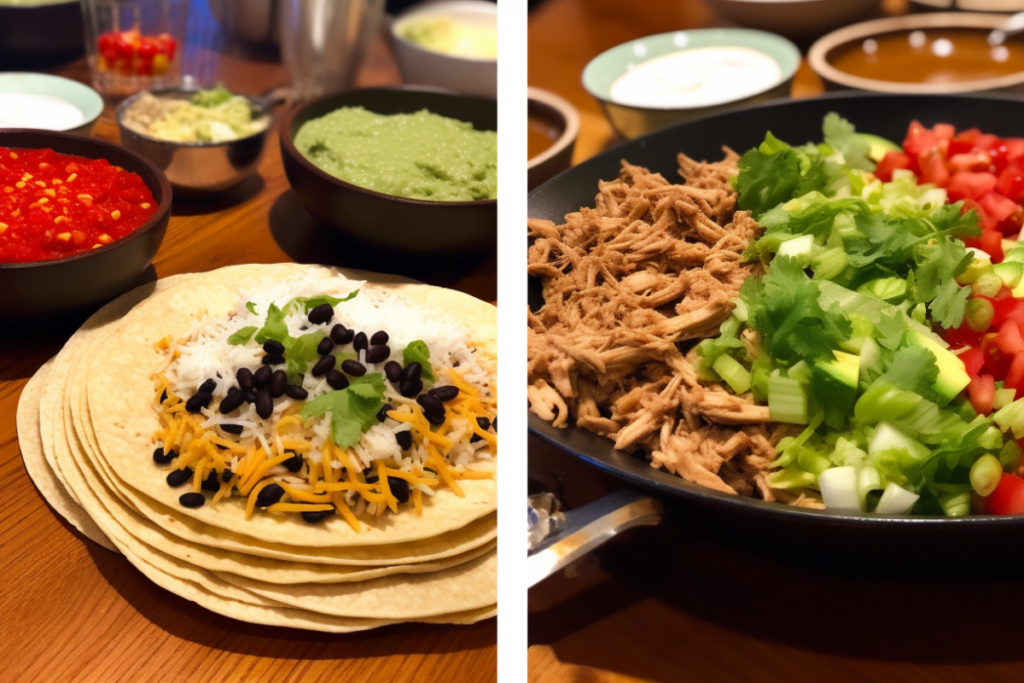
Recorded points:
(589, 527)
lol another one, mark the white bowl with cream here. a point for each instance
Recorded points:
(653, 82)
(44, 102)
(449, 44)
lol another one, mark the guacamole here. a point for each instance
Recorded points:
(419, 156)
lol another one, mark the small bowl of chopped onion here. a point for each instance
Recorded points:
(205, 141)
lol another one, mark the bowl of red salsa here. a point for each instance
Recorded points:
(80, 220)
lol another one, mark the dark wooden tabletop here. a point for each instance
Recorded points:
(690, 601)
(72, 611)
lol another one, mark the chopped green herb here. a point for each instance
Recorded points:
(242, 336)
(418, 352)
(353, 409)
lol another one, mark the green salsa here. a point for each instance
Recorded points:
(419, 156)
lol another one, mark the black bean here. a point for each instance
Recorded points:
(433, 409)
(273, 360)
(323, 365)
(278, 381)
(377, 353)
(178, 477)
(296, 392)
(321, 314)
(198, 402)
(325, 346)
(261, 377)
(163, 396)
(208, 386)
(226, 477)
(484, 425)
(244, 377)
(360, 342)
(211, 483)
(192, 500)
(353, 367)
(404, 439)
(232, 429)
(341, 334)
(370, 475)
(314, 516)
(393, 370)
(410, 387)
(494, 423)
(337, 379)
(161, 458)
(382, 414)
(380, 337)
(445, 393)
(269, 494)
(412, 371)
(273, 347)
(232, 401)
(399, 489)
(250, 396)
(264, 403)
(294, 463)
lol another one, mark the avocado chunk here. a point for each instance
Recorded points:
(952, 377)
(879, 146)
(835, 387)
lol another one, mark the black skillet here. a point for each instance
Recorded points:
(902, 538)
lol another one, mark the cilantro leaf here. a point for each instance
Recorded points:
(418, 352)
(353, 409)
(242, 336)
(299, 351)
(274, 327)
(251, 306)
(840, 134)
(309, 303)
(950, 304)
(913, 368)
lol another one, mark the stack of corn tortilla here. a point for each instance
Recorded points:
(77, 440)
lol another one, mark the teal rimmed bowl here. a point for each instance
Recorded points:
(82, 96)
(631, 121)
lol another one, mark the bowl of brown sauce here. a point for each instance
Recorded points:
(553, 125)
(936, 53)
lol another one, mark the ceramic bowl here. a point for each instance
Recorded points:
(41, 34)
(82, 96)
(560, 119)
(820, 54)
(631, 121)
(420, 66)
(797, 19)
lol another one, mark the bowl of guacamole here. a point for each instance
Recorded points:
(408, 169)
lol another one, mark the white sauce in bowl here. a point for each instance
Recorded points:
(45, 112)
(696, 78)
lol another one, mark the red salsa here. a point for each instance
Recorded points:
(56, 205)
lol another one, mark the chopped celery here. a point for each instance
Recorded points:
(790, 477)
(885, 288)
(812, 461)
(985, 474)
(868, 480)
(801, 372)
(1011, 417)
(1010, 456)
(798, 248)
(829, 264)
(846, 452)
(887, 437)
(787, 400)
(790, 446)
(1003, 397)
(733, 373)
(896, 500)
(955, 504)
(741, 310)
(838, 488)
(884, 401)
(870, 361)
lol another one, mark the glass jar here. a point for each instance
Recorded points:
(134, 45)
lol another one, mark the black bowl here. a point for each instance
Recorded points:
(382, 220)
(76, 283)
(796, 122)
(40, 35)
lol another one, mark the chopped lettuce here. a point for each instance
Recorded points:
(353, 409)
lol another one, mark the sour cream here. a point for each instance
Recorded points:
(28, 110)
(696, 78)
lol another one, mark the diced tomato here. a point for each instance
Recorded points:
(996, 362)
(981, 392)
(1008, 498)
(944, 131)
(889, 163)
(973, 361)
(933, 168)
(1009, 339)
(1007, 308)
(983, 219)
(976, 160)
(1015, 373)
(1005, 151)
(1012, 225)
(991, 242)
(1011, 182)
(998, 207)
(919, 140)
(968, 185)
(964, 336)
(964, 141)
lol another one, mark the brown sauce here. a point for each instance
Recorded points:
(930, 56)
(540, 136)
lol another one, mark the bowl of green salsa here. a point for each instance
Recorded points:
(412, 169)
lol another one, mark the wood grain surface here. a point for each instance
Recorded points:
(688, 601)
(72, 611)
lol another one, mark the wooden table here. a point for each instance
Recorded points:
(684, 602)
(73, 611)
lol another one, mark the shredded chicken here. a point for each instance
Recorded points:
(628, 286)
